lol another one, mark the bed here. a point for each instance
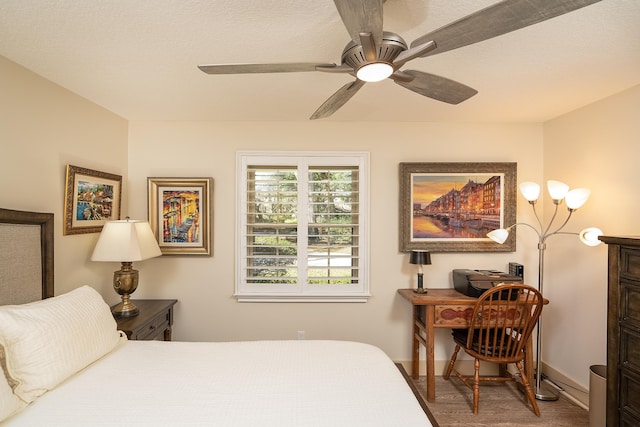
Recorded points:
(65, 364)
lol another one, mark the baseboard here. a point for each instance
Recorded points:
(573, 390)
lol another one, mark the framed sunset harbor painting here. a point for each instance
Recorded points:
(450, 207)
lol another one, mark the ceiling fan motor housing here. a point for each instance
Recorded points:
(392, 45)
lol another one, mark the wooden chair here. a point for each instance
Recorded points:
(501, 324)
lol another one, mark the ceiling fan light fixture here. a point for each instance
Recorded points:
(374, 72)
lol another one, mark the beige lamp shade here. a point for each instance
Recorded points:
(126, 240)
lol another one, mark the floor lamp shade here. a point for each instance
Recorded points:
(126, 241)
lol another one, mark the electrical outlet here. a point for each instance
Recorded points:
(300, 335)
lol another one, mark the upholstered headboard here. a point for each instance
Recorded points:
(26, 256)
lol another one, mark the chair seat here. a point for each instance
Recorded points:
(460, 336)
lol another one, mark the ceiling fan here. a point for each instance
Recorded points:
(374, 55)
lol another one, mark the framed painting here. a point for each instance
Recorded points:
(450, 207)
(179, 214)
(91, 199)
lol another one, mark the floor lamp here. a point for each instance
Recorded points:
(574, 199)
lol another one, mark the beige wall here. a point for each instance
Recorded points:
(204, 286)
(594, 147)
(44, 127)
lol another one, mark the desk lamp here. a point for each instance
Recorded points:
(420, 258)
(126, 241)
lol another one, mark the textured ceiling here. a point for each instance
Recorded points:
(138, 58)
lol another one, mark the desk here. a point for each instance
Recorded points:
(442, 308)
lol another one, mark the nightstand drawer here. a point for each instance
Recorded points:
(154, 329)
(152, 323)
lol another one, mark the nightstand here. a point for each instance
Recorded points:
(152, 323)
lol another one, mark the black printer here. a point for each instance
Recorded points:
(473, 283)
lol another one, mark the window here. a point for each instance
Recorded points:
(302, 228)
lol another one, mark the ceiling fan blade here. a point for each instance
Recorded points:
(361, 16)
(409, 54)
(265, 68)
(337, 100)
(436, 87)
(333, 68)
(495, 20)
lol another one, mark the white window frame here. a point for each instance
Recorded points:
(247, 292)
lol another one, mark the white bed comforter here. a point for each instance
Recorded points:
(258, 384)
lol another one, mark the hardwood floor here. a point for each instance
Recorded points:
(500, 405)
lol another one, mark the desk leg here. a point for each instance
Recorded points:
(415, 350)
(431, 378)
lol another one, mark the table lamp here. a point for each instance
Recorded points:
(420, 258)
(126, 241)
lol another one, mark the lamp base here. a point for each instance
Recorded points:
(421, 289)
(125, 282)
(546, 392)
(125, 308)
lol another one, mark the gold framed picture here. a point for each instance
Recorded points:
(180, 214)
(91, 199)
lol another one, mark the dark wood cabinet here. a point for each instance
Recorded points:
(623, 331)
(152, 323)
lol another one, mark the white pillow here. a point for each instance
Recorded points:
(9, 403)
(47, 341)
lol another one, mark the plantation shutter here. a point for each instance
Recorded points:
(333, 229)
(272, 226)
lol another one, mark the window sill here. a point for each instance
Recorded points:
(302, 298)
